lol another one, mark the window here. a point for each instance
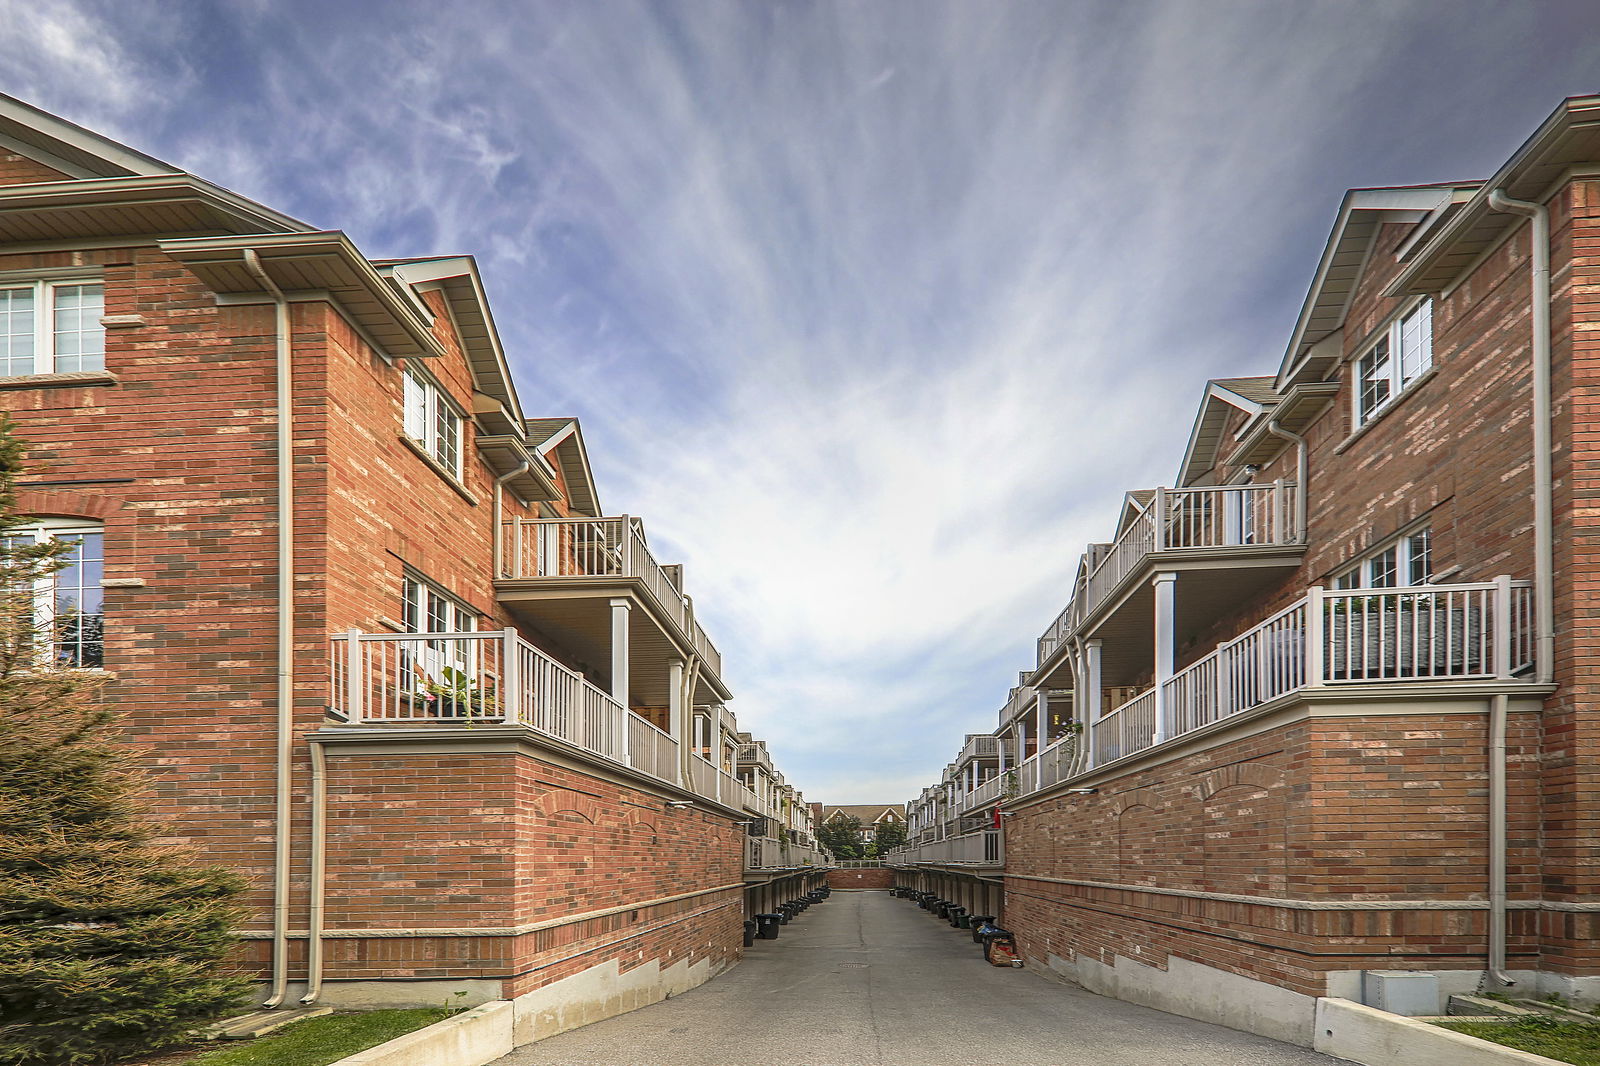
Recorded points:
(1395, 360)
(432, 422)
(67, 603)
(428, 609)
(51, 327)
(1405, 561)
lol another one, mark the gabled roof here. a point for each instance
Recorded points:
(1134, 504)
(1569, 137)
(867, 813)
(1255, 396)
(1344, 258)
(560, 440)
(68, 147)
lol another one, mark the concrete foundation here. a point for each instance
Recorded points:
(600, 992)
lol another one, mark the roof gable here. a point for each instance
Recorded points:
(68, 148)
(1255, 396)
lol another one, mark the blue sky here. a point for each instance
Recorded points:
(874, 309)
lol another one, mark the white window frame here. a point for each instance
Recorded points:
(1410, 550)
(421, 602)
(44, 589)
(432, 421)
(44, 323)
(1407, 342)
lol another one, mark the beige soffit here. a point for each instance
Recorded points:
(1252, 395)
(1361, 213)
(1569, 138)
(322, 262)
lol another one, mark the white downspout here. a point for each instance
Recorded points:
(1543, 509)
(1302, 471)
(1543, 565)
(283, 808)
(498, 547)
(319, 841)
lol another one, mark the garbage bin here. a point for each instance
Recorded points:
(750, 933)
(979, 922)
(767, 925)
(997, 936)
(958, 918)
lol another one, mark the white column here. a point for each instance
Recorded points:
(1000, 751)
(1041, 725)
(619, 667)
(1165, 585)
(1093, 697)
(677, 715)
(1022, 740)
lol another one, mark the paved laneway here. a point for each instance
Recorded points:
(867, 980)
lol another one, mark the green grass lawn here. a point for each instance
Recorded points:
(1568, 1041)
(319, 1041)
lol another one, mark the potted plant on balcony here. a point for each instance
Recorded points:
(454, 695)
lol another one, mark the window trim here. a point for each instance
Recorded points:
(44, 288)
(44, 589)
(435, 400)
(1391, 334)
(1404, 559)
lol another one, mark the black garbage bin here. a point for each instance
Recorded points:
(996, 935)
(955, 916)
(750, 933)
(767, 925)
(979, 921)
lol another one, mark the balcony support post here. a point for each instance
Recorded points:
(1092, 696)
(1159, 509)
(1502, 627)
(510, 677)
(620, 609)
(355, 681)
(677, 723)
(1165, 585)
(1316, 636)
(1041, 724)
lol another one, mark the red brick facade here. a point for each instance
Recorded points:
(533, 860)
(1347, 829)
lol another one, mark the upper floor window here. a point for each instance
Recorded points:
(51, 327)
(1396, 359)
(67, 604)
(1407, 560)
(432, 422)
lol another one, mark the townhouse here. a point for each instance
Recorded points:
(388, 653)
(1325, 705)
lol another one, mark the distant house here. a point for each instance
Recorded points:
(870, 815)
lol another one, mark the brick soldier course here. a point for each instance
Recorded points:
(1264, 834)
(523, 834)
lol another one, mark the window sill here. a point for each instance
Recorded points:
(438, 468)
(49, 381)
(1387, 409)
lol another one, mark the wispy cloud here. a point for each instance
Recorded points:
(872, 309)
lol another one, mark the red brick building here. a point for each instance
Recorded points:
(388, 654)
(1325, 705)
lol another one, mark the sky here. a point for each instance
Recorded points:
(872, 310)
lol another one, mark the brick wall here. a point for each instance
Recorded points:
(880, 878)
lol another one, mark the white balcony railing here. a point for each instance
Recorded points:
(490, 677)
(601, 547)
(982, 746)
(984, 848)
(1193, 519)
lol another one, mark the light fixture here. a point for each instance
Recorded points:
(1083, 791)
(680, 803)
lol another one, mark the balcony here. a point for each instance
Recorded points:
(981, 746)
(1229, 539)
(770, 853)
(457, 680)
(984, 848)
(564, 574)
(1429, 635)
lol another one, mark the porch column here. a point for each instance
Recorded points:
(1022, 740)
(619, 666)
(1165, 586)
(1041, 724)
(677, 719)
(1000, 753)
(1092, 696)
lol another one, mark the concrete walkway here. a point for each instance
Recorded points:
(867, 980)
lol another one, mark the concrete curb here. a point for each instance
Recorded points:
(1348, 1030)
(471, 1038)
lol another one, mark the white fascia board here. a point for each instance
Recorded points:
(73, 137)
(1417, 202)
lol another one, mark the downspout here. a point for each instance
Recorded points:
(1543, 509)
(1302, 471)
(319, 840)
(1497, 841)
(499, 543)
(1543, 565)
(283, 784)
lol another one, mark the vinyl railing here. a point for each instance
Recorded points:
(1209, 517)
(979, 747)
(985, 848)
(496, 677)
(769, 853)
(601, 547)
